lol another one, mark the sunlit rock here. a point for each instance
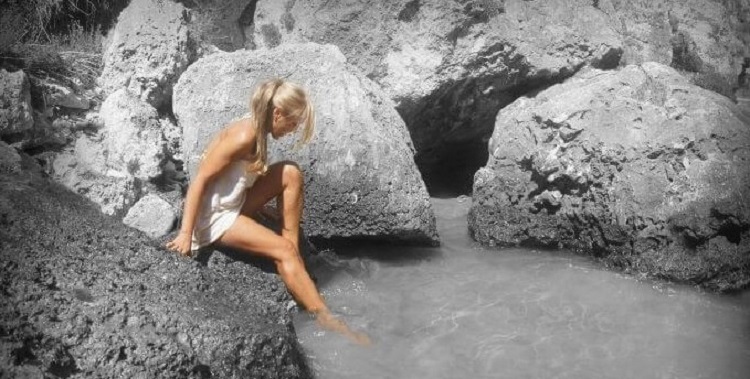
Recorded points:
(15, 103)
(360, 176)
(147, 50)
(637, 165)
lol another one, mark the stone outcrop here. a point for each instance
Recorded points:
(148, 50)
(705, 39)
(85, 296)
(361, 180)
(451, 65)
(15, 103)
(112, 165)
(151, 215)
(636, 166)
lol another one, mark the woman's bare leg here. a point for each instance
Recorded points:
(284, 181)
(249, 236)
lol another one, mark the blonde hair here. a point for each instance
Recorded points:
(293, 100)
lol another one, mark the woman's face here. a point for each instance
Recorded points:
(283, 124)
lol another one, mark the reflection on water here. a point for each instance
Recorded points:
(462, 311)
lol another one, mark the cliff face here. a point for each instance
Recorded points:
(85, 296)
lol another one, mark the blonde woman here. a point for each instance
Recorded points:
(233, 183)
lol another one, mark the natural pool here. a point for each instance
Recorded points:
(464, 311)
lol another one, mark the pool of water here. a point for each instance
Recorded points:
(464, 311)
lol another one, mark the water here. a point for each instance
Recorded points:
(463, 311)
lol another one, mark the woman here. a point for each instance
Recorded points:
(234, 182)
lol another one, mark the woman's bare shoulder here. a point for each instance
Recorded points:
(240, 132)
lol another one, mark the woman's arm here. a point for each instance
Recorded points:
(230, 145)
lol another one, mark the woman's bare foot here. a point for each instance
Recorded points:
(328, 321)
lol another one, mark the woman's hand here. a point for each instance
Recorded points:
(181, 244)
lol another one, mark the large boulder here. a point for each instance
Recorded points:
(85, 296)
(450, 66)
(83, 170)
(15, 103)
(707, 40)
(133, 136)
(637, 166)
(147, 50)
(361, 180)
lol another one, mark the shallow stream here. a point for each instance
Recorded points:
(464, 311)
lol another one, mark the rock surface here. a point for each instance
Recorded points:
(85, 296)
(15, 103)
(148, 50)
(636, 166)
(151, 215)
(451, 65)
(361, 180)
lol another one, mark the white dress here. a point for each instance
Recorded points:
(221, 203)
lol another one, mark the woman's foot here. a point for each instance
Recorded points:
(328, 321)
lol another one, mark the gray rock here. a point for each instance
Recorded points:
(148, 49)
(361, 180)
(56, 95)
(151, 215)
(133, 139)
(81, 171)
(15, 103)
(652, 176)
(85, 296)
(450, 66)
(10, 161)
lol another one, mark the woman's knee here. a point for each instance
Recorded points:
(291, 174)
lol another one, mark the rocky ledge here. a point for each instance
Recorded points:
(85, 296)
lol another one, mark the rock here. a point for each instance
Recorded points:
(705, 39)
(84, 295)
(220, 24)
(10, 161)
(81, 171)
(15, 103)
(653, 180)
(148, 49)
(57, 95)
(360, 176)
(450, 66)
(133, 139)
(151, 215)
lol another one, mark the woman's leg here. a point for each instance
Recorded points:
(249, 236)
(284, 182)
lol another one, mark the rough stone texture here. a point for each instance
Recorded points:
(15, 103)
(148, 50)
(706, 39)
(151, 215)
(85, 296)
(133, 140)
(451, 65)
(360, 176)
(636, 166)
(10, 161)
(56, 95)
(81, 171)
(220, 23)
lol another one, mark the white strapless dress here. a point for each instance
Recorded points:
(221, 203)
